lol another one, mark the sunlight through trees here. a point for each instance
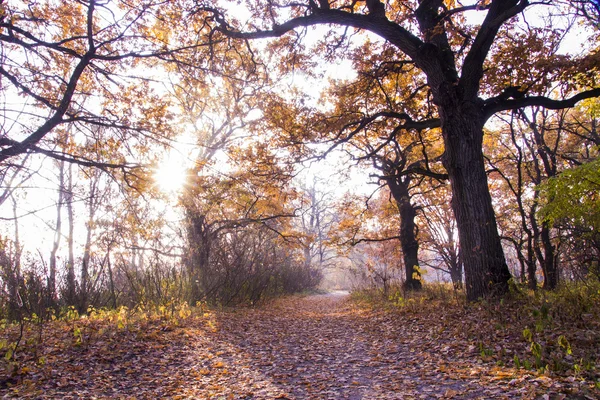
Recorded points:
(162, 153)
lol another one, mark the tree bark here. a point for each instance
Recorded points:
(456, 275)
(71, 284)
(199, 257)
(11, 264)
(486, 271)
(408, 239)
(87, 248)
(549, 263)
(57, 235)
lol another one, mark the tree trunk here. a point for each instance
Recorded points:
(111, 282)
(57, 235)
(531, 266)
(11, 277)
(408, 239)
(87, 248)
(546, 259)
(11, 263)
(199, 257)
(71, 284)
(544, 157)
(85, 267)
(549, 263)
(532, 249)
(486, 272)
(456, 275)
(307, 257)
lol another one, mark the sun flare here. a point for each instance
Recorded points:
(170, 175)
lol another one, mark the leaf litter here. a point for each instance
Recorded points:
(317, 347)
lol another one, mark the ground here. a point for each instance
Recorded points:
(301, 347)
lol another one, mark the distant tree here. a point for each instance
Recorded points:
(218, 205)
(571, 201)
(536, 145)
(315, 221)
(439, 236)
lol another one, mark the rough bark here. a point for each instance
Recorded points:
(486, 272)
(408, 240)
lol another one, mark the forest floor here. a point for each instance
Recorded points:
(302, 347)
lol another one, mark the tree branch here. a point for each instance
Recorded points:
(472, 71)
(390, 31)
(63, 106)
(497, 104)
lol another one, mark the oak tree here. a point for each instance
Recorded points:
(453, 57)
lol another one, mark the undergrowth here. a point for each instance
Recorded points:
(545, 332)
(398, 298)
(25, 344)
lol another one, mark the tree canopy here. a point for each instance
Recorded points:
(484, 95)
(168, 168)
(462, 74)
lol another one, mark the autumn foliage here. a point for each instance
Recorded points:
(160, 161)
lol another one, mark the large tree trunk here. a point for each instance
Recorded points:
(408, 239)
(486, 272)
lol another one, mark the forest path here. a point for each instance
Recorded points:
(325, 347)
(299, 347)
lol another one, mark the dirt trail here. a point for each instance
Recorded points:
(324, 347)
(315, 347)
